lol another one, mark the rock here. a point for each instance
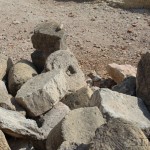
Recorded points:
(53, 117)
(3, 142)
(73, 146)
(41, 93)
(117, 105)
(20, 144)
(120, 72)
(127, 86)
(77, 127)
(19, 74)
(5, 64)
(65, 60)
(143, 80)
(18, 126)
(79, 98)
(5, 98)
(119, 134)
(130, 4)
(47, 38)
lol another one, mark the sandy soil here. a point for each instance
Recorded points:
(97, 33)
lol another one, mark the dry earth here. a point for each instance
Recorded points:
(97, 33)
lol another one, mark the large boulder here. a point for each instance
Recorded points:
(5, 65)
(127, 86)
(41, 93)
(16, 125)
(5, 98)
(78, 127)
(3, 142)
(130, 4)
(143, 79)
(79, 98)
(47, 38)
(19, 74)
(65, 60)
(119, 134)
(117, 105)
(120, 72)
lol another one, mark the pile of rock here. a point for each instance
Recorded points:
(58, 110)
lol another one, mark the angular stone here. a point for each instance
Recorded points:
(47, 38)
(20, 73)
(42, 92)
(16, 125)
(79, 98)
(143, 79)
(118, 105)
(119, 134)
(3, 142)
(78, 127)
(5, 64)
(5, 98)
(120, 72)
(127, 86)
(53, 117)
(66, 61)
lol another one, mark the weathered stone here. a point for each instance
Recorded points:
(16, 125)
(5, 64)
(143, 79)
(47, 38)
(127, 86)
(20, 144)
(73, 146)
(5, 98)
(3, 142)
(65, 60)
(53, 117)
(119, 134)
(77, 127)
(19, 74)
(42, 92)
(120, 72)
(79, 98)
(118, 105)
(130, 4)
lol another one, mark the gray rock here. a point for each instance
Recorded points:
(79, 98)
(3, 142)
(127, 86)
(5, 64)
(77, 127)
(117, 105)
(16, 125)
(20, 144)
(66, 61)
(42, 92)
(119, 134)
(47, 38)
(20, 73)
(53, 117)
(5, 98)
(143, 79)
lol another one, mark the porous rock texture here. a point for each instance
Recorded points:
(47, 38)
(119, 134)
(143, 79)
(20, 73)
(42, 92)
(120, 72)
(3, 142)
(16, 125)
(78, 126)
(117, 105)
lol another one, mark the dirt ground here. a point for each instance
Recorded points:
(97, 33)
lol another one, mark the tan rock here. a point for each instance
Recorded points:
(3, 142)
